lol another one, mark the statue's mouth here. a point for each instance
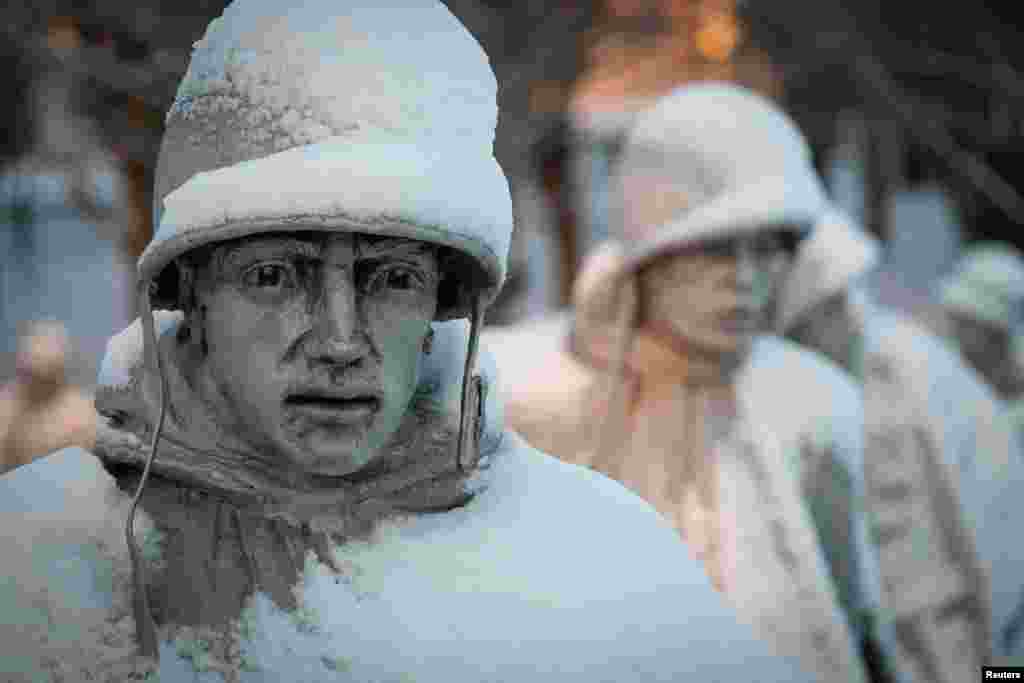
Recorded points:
(345, 406)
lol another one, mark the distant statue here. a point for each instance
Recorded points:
(39, 411)
(984, 302)
(942, 476)
(663, 379)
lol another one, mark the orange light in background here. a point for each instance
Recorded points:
(547, 97)
(138, 113)
(63, 34)
(717, 38)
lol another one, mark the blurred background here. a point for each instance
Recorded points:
(915, 112)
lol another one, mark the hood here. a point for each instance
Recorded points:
(335, 117)
(829, 261)
(420, 472)
(733, 162)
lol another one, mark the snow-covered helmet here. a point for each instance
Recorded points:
(734, 162)
(836, 253)
(987, 284)
(338, 116)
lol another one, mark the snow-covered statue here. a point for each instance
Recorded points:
(984, 302)
(748, 445)
(315, 483)
(943, 481)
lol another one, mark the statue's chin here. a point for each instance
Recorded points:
(318, 455)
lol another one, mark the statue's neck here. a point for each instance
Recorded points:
(205, 557)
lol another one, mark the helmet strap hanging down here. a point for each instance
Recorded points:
(614, 425)
(145, 627)
(472, 403)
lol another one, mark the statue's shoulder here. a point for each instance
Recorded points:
(561, 494)
(65, 609)
(775, 357)
(601, 552)
(598, 538)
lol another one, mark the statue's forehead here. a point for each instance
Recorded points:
(316, 245)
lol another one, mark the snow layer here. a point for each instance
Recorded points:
(370, 181)
(528, 562)
(739, 160)
(319, 68)
(964, 414)
(125, 350)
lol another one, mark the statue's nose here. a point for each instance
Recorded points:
(339, 330)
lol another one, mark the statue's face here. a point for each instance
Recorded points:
(716, 295)
(313, 342)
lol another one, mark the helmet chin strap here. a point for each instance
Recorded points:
(613, 426)
(473, 388)
(145, 627)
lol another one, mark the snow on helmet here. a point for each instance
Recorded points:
(731, 163)
(335, 115)
(988, 284)
(835, 254)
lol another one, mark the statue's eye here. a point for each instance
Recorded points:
(395, 278)
(269, 277)
(767, 244)
(399, 278)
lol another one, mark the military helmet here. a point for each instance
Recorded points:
(333, 116)
(730, 162)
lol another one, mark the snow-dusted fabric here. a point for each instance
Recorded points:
(732, 163)
(354, 117)
(579, 574)
(945, 464)
(938, 469)
(765, 460)
(835, 253)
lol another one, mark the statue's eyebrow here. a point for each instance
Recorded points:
(268, 248)
(396, 248)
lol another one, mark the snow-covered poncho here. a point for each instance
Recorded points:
(542, 571)
(967, 473)
(796, 448)
(936, 462)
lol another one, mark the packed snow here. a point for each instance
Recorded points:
(424, 76)
(359, 178)
(125, 351)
